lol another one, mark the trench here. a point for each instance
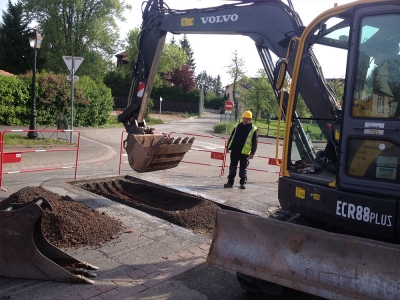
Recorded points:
(186, 210)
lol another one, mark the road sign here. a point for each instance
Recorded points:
(228, 105)
(69, 78)
(68, 61)
(217, 155)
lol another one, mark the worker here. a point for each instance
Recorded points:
(243, 145)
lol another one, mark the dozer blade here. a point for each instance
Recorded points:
(153, 152)
(26, 253)
(328, 265)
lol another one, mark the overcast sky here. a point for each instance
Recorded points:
(215, 63)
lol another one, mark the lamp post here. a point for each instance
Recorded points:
(201, 97)
(159, 116)
(35, 41)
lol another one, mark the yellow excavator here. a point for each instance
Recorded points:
(337, 232)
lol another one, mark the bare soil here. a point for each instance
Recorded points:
(72, 224)
(69, 224)
(188, 211)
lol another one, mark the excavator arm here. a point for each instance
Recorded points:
(271, 24)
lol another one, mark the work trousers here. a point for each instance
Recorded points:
(244, 162)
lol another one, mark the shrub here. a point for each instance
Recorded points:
(14, 101)
(99, 103)
(221, 127)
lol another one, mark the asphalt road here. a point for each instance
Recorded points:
(99, 158)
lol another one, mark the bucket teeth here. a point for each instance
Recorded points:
(191, 140)
(169, 141)
(177, 140)
(184, 141)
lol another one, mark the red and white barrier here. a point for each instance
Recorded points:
(15, 156)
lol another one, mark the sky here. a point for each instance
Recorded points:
(216, 62)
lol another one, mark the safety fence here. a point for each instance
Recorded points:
(215, 154)
(15, 156)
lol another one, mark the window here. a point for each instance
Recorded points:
(376, 92)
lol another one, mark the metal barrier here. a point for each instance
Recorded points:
(214, 154)
(18, 154)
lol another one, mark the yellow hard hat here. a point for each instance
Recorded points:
(247, 114)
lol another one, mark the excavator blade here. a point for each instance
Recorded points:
(328, 265)
(153, 152)
(26, 253)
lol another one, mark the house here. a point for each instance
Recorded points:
(240, 88)
(5, 73)
(122, 58)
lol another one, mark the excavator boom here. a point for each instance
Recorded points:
(271, 24)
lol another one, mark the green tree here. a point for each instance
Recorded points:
(172, 57)
(338, 87)
(236, 73)
(78, 28)
(259, 97)
(187, 48)
(132, 41)
(16, 56)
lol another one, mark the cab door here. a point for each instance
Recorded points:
(370, 134)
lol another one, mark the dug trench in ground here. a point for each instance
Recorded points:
(189, 211)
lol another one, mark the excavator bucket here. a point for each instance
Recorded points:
(153, 152)
(314, 261)
(26, 253)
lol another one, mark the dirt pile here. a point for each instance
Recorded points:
(69, 224)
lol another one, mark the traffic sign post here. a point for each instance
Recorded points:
(229, 105)
(72, 63)
(228, 109)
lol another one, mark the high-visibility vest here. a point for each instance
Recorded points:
(247, 145)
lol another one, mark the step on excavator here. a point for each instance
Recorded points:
(28, 254)
(337, 232)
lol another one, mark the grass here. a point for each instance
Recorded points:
(22, 140)
(313, 130)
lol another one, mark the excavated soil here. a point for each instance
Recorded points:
(69, 223)
(72, 224)
(188, 211)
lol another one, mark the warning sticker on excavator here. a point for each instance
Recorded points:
(300, 192)
(187, 21)
(141, 87)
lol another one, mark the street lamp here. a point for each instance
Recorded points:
(159, 116)
(35, 41)
(201, 97)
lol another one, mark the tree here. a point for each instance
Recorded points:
(184, 78)
(185, 45)
(235, 71)
(172, 57)
(16, 56)
(338, 87)
(132, 41)
(259, 97)
(78, 28)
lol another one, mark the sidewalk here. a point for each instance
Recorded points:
(148, 252)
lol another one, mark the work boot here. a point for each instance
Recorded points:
(243, 186)
(228, 185)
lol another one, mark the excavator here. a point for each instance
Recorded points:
(337, 230)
